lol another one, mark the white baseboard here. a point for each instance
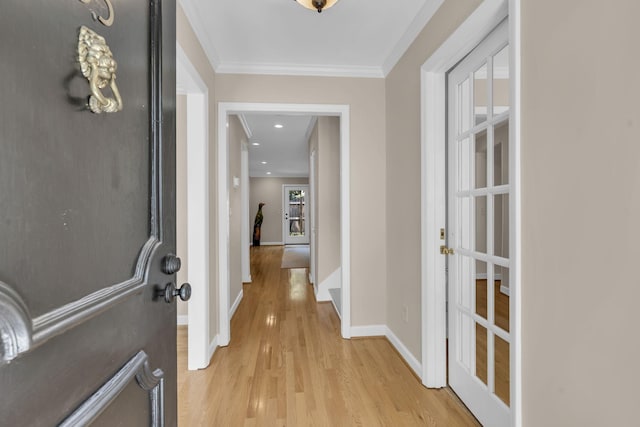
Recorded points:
(384, 331)
(182, 319)
(213, 346)
(411, 360)
(236, 303)
(246, 279)
(504, 290)
(369, 331)
(332, 282)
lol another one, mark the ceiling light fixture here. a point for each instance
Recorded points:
(268, 173)
(255, 144)
(278, 126)
(318, 5)
(264, 163)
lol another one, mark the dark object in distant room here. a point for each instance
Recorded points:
(257, 225)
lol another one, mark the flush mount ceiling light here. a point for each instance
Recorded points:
(278, 126)
(318, 5)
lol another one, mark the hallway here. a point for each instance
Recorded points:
(287, 365)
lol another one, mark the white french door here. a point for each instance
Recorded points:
(480, 212)
(295, 224)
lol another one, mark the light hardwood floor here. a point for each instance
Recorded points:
(287, 365)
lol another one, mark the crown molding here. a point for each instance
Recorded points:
(301, 70)
(417, 25)
(312, 125)
(245, 125)
(198, 27)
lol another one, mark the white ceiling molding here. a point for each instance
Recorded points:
(312, 124)
(198, 27)
(426, 13)
(187, 78)
(245, 125)
(301, 70)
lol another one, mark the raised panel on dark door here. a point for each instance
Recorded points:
(87, 211)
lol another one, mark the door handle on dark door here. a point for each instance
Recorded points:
(170, 292)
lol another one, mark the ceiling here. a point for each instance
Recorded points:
(285, 150)
(356, 38)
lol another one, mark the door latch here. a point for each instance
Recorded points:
(445, 250)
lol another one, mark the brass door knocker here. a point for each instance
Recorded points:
(108, 21)
(99, 67)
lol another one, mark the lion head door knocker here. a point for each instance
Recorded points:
(99, 67)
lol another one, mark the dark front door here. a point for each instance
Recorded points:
(87, 217)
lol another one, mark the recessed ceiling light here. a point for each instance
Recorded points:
(264, 163)
(255, 144)
(268, 173)
(278, 126)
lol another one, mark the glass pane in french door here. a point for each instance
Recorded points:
(501, 81)
(501, 371)
(480, 90)
(296, 213)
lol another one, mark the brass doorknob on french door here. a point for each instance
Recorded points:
(445, 250)
(170, 292)
(171, 264)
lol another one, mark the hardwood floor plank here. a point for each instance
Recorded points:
(286, 365)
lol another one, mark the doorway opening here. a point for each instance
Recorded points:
(225, 110)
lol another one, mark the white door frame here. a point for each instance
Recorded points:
(224, 110)
(306, 215)
(312, 220)
(244, 196)
(433, 207)
(190, 83)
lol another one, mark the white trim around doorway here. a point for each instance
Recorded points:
(226, 108)
(433, 199)
(190, 83)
